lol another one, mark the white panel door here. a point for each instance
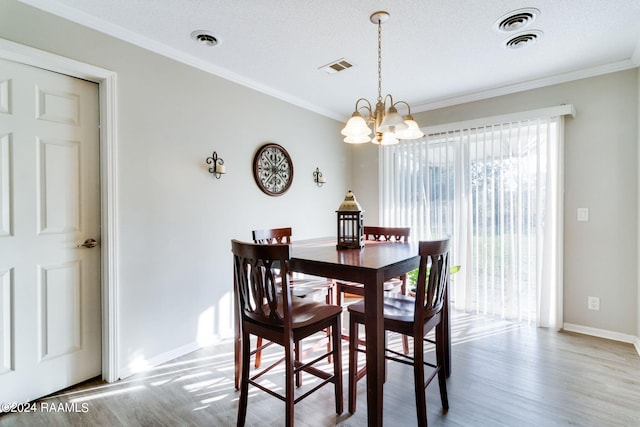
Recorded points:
(50, 330)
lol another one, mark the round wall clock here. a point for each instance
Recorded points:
(273, 169)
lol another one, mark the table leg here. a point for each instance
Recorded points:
(374, 330)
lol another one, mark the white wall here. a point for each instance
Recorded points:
(175, 220)
(364, 166)
(601, 173)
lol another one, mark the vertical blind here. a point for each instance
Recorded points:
(496, 190)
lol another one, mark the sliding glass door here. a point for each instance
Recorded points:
(495, 189)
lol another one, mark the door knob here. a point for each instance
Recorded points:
(89, 243)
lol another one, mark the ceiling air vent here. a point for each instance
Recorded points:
(205, 38)
(517, 19)
(336, 66)
(523, 39)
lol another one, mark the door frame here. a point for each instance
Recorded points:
(106, 81)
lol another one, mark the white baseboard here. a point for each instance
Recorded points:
(602, 333)
(137, 366)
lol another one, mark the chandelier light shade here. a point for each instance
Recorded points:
(384, 122)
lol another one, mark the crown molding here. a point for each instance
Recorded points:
(532, 84)
(79, 17)
(635, 58)
(100, 25)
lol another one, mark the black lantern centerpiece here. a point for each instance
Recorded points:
(350, 223)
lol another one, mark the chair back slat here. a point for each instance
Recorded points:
(431, 289)
(272, 236)
(260, 272)
(386, 234)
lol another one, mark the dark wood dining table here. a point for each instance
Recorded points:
(371, 266)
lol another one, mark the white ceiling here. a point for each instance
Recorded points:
(435, 52)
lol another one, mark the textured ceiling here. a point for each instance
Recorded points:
(435, 52)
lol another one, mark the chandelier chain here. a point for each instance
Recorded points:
(379, 60)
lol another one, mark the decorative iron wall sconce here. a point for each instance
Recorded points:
(217, 165)
(318, 178)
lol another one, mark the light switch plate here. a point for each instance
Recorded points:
(583, 214)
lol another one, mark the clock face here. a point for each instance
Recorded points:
(273, 169)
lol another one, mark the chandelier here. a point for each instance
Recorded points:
(388, 125)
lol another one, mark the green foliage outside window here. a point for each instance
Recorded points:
(412, 276)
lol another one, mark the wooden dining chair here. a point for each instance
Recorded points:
(396, 284)
(413, 317)
(266, 308)
(302, 287)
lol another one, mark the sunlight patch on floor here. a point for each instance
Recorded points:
(104, 394)
(209, 378)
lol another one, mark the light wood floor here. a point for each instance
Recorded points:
(503, 374)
